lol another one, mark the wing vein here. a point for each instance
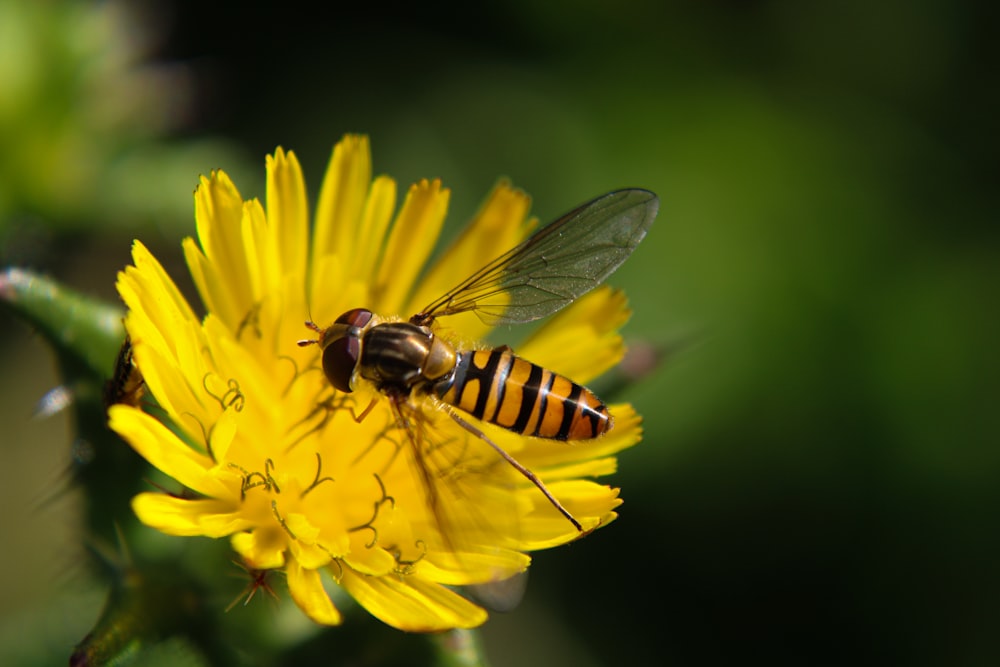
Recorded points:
(557, 265)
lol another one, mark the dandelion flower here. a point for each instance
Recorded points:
(271, 457)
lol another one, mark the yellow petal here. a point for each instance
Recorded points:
(261, 257)
(306, 588)
(367, 559)
(214, 292)
(590, 468)
(587, 497)
(164, 450)
(473, 568)
(582, 340)
(166, 336)
(312, 556)
(263, 549)
(410, 243)
(499, 225)
(342, 199)
(219, 214)
(151, 295)
(374, 221)
(591, 503)
(306, 549)
(287, 212)
(179, 516)
(167, 379)
(412, 604)
(223, 433)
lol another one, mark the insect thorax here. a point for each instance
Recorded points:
(405, 356)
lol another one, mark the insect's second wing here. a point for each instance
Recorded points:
(465, 513)
(555, 266)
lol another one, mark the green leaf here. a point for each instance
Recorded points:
(147, 605)
(79, 327)
(86, 335)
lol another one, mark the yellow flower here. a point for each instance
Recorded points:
(273, 458)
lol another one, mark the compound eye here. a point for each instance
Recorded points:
(340, 358)
(359, 317)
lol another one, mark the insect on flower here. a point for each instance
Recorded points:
(412, 366)
(126, 384)
(405, 502)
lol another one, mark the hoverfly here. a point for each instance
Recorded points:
(555, 266)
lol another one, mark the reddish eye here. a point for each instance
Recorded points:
(341, 343)
(359, 317)
(339, 361)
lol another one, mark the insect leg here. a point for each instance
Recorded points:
(328, 406)
(358, 418)
(531, 477)
(413, 432)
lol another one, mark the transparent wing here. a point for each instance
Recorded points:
(555, 266)
(466, 514)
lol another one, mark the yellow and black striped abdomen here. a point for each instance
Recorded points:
(500, 388)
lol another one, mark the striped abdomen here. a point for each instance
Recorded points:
(500, 388)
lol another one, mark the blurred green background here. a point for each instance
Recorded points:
(820, 477)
